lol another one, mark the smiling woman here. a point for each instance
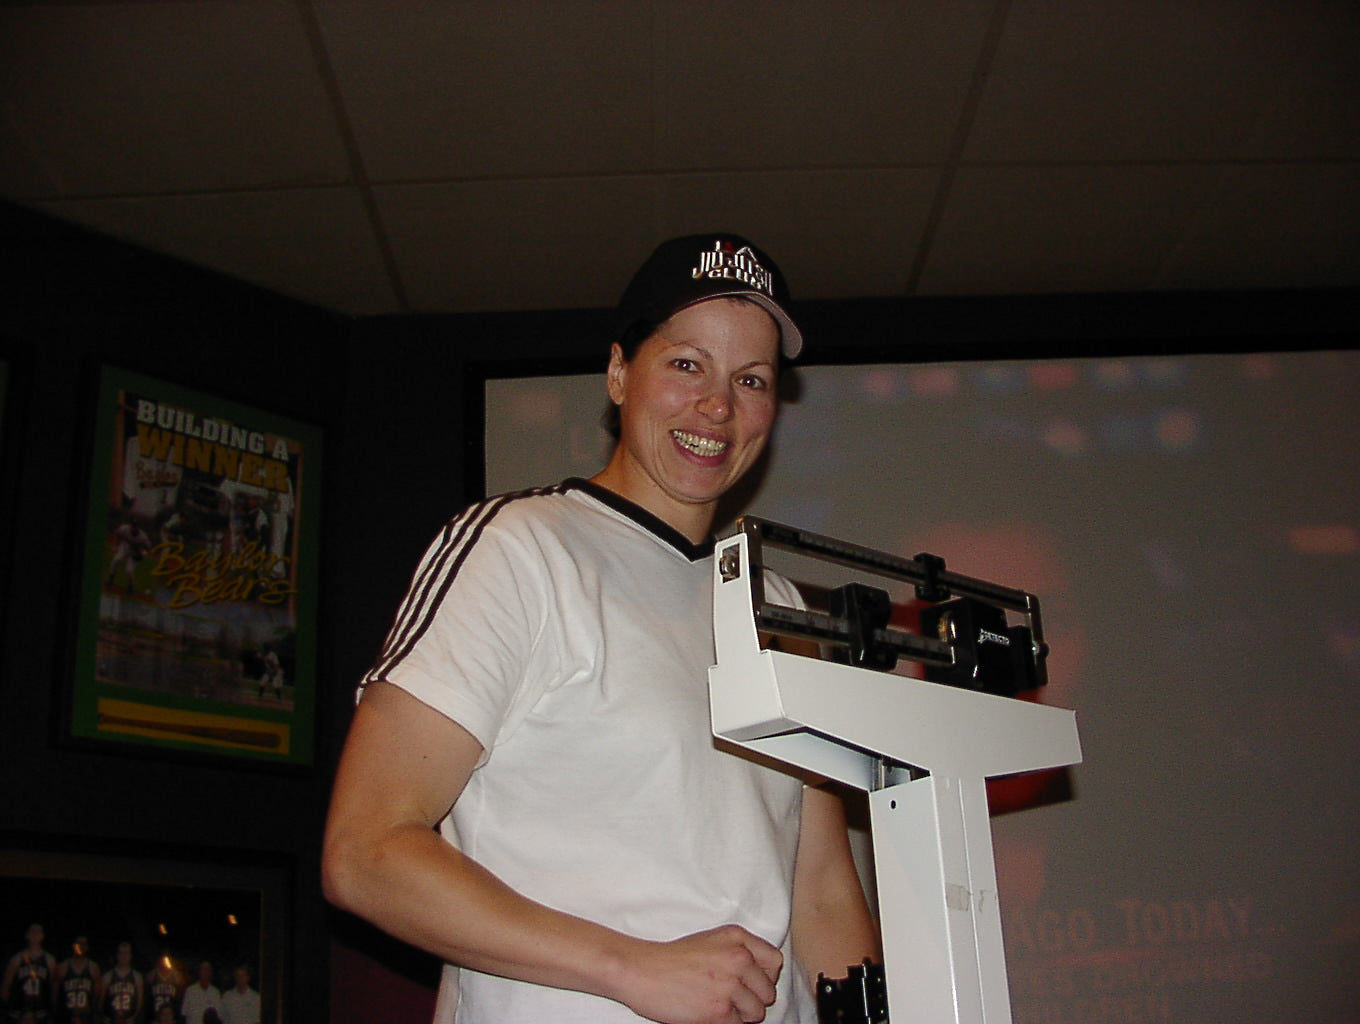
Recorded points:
(542, 698)
(696, 406)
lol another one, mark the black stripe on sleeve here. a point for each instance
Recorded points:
(435, 574)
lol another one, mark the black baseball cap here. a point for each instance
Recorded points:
(685, 271)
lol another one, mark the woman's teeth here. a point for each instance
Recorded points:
(704, 446)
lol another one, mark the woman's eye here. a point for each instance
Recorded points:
(684, 364)
(752, 381)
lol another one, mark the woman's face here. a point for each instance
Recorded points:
(696, 404)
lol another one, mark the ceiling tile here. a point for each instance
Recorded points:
(314, 245)
(515, 88)
(574, 243)
(129, 98)
(1009, 230)
(1274, 226)
(495, 245)
(813, 84)
(1167, 80)
(1314, 112)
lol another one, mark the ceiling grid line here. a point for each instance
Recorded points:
(962, 129)
(358, 169)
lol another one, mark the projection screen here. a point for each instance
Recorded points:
(1191, 525)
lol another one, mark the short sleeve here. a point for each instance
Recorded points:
(464, 634)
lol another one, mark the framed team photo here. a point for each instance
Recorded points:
(117, 938)
(195, 624)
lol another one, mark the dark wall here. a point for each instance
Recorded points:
(389, 395)
(70, 302)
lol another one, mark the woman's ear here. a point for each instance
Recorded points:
(614, 376)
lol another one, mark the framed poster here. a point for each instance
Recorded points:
(196, 618)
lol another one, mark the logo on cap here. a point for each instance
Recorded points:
(726, 263)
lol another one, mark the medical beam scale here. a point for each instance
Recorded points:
(921, 748)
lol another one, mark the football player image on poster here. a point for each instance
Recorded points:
(199, 584)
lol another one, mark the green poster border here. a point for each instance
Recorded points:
(200, 720)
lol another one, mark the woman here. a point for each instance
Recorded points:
(543, 695)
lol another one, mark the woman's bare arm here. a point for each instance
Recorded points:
(403, 766)
(832, 926)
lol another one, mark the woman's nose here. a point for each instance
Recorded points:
(716, 404)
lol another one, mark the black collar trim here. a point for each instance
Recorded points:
(661, 529)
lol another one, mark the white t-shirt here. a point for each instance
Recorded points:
(240, 1007)
(571, 633)
(197, 999)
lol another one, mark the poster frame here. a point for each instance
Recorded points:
(181, 703)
